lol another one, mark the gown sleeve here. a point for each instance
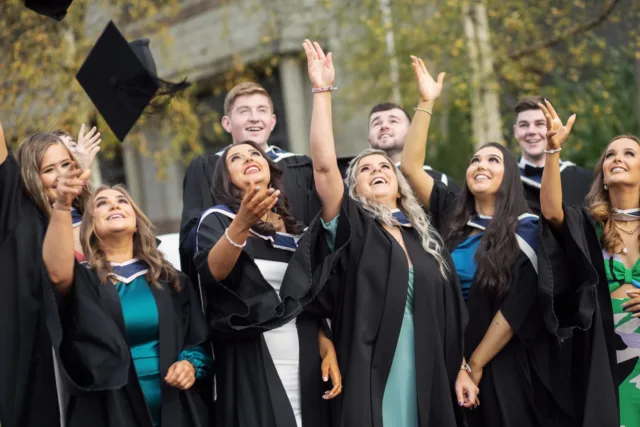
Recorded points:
(200, 360)
(567, 277)
(441, 205)
(244, 303)
(93, 352)
(13, 200)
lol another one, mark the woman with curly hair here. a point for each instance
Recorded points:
(151, 306)
(600, 251)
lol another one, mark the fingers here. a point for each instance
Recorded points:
(417, 69)
(325, 371)
(310, 52)
(424, 67)
(269, 201)
(329, 60)
(336, 380)
(632, 306)
(81, 133)
(460, 394)
(570, 122)
(181, 375)
(547, 117)
(89, 135)
(253, 189)
(551, 109)
(319, 50)
(471, 397)
(441, 79)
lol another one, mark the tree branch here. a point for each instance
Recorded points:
(608, 8)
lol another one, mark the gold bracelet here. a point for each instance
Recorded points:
(423, 110)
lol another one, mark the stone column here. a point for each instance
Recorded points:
(292, 80)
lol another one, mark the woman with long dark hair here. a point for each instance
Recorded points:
(492, 237)
(597, 251)
(28, 314)
(153, 306)
(266, 348)
(396, 309)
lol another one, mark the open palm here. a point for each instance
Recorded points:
(430, 89)
(557, 133)
(319, 65)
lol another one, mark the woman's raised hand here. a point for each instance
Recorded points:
(87, 146)
(70, 186)
(557, 133)
(319, 65)
(429, 89)
(255, 204)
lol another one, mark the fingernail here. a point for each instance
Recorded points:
(460, 403)
(257, 187)
(325, 379)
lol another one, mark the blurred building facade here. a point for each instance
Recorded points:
(204, 41)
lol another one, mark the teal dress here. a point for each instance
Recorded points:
(141, 322)
(400, 399)
(463, 257)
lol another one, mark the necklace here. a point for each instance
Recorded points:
(630, 232)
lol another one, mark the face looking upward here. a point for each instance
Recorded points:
(531, 132)
(387, 130)
(246, 164)
(485, 172)
(621, 164)
(55, 162)
(251, 118)
(376, 180)
(113, 214)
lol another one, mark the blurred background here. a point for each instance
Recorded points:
(584, 55)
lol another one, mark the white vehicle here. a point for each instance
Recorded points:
(169, 247)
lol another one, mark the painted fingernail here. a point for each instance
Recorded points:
(325, 379)
(257, 187)
(460, 403)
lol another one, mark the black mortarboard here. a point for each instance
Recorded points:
(121, 79)
(56, 9)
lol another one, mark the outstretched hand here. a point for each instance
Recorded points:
(429, 89)
(557, 133)
(255, 204)
(87, 147)
(70, 186)
(319, 65)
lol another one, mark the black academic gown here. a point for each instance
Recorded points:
(576, 183)
(240, 309)
(27, 384)
(519, 386)
(105, 391)
(577, 308)
(365, 283)
(197, 196)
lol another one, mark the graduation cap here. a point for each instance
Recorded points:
(56, 9)
(121, 79)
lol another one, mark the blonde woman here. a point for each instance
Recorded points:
(152, 305)
(389, 287)
(27, 310)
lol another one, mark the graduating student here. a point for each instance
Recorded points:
(396, 309)
(249, 115)
(267, 350)
(28, 389)
(595, 250)
(150, 304)
(493, 239)
(530, 131)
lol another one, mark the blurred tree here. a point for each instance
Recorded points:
(579, 54)
(40, 58)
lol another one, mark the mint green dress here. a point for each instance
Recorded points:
(400, 399)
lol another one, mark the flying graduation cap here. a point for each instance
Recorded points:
(56, 9)
(121, 80)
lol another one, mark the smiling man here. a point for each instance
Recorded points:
(530, 130)
(388, 127)
(248, 115)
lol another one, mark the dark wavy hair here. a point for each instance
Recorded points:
(226, 193)
(498, 248)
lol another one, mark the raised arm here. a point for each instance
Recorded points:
(224, 254)
(4, 151)
(326, 174)
(415, 144)
(551, 186)
(58, 246)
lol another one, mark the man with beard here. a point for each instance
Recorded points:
(530, 130)
(249, 116)
(388, 127)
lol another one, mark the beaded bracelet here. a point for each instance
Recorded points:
(323, 89)
(237, 245)
(557, 150)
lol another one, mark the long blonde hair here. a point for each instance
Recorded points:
(408, 204)
(600, 204)
(144, 244)
(29, 156)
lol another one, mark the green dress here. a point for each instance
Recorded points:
(627, 328)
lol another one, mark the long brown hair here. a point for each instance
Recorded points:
(226, 193)
(144, 244)
(29, 156)
(600, 204)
